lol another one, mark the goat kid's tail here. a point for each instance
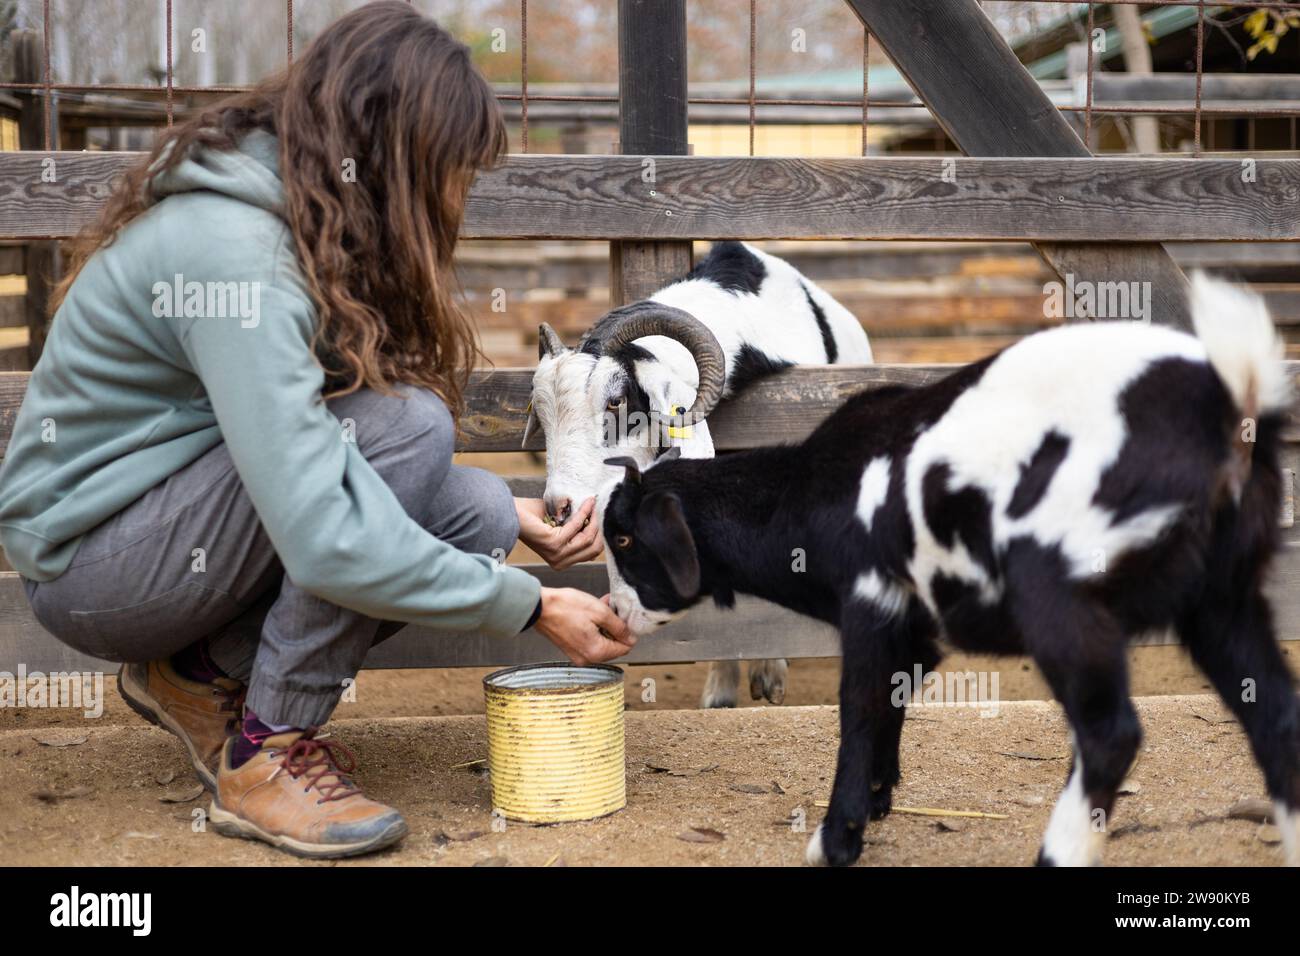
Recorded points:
(1243, 346)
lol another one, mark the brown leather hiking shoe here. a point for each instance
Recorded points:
(295, 794)
(203, 716)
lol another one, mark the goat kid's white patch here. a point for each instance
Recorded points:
(873, 489)
(1071, 838)
(889, 598)
(1066, 380)
(1288, 824)
(815, 854)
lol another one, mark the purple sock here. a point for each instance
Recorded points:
(250, 740)
(194, 663)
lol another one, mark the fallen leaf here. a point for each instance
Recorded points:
(54, 796)
(165, 777)
(701, 835)
(1214, 720)
(462, 836)
(182, 795)
(777, 788)
(493, 861)
(949, 826)
(750, 788)
(1129, 787)
(1269, 834)
(693, 771)
(1030, 800)
(61, 741)
(1255, 809)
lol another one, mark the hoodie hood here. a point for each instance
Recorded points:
(249, 173)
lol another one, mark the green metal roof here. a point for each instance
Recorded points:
(1161, 23)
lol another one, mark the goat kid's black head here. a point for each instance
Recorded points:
(651, 544)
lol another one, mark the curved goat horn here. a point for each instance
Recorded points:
(652, 318)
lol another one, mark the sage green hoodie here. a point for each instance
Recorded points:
(131, 390)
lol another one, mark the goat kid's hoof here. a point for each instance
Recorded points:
(767, 680)
(842, 849)
(882, 801)
(715, 699)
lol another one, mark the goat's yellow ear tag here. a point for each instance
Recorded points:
(680, 431)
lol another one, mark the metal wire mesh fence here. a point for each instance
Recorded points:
(48, 86)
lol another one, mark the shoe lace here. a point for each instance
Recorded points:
(318, 761)
(232, 702)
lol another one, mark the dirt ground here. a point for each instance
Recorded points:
(94, 794)
(1156, 671)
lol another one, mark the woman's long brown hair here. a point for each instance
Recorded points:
(388, 93)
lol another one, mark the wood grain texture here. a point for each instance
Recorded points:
(984, 98)
(604, 197)
(783, 408)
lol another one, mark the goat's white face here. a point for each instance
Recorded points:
(590, 409)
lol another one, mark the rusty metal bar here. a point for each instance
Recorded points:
(49, 99)
(523, 75)
(1087, 114)
(1200, 72)
(866, 101)
(170, 91)
(753, 56)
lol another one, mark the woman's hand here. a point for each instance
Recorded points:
(562, 546)
(585, 628)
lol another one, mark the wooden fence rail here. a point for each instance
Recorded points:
(1087, 201)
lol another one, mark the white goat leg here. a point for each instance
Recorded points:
(722, 685)
(767, 680)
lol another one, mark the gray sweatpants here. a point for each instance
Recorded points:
(190, 560)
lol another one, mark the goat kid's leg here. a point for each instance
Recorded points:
(767, 680)
(885, 771)
(721, 686)
(1231, 638)
(867, 717)
(1080, 649)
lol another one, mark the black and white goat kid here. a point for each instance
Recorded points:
(1086, 484)
(621, 391)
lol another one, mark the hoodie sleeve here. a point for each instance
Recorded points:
(338, 529)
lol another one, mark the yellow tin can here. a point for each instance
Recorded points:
(555, 742)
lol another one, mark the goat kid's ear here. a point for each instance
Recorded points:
(631, 470)
(662, 528)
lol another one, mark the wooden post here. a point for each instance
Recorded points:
(42, 259)
(651, 122)
(990, 106)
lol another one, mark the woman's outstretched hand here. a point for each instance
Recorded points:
(585, 628)
(562, 546)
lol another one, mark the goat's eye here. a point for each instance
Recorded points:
(614, 404)
(623, 541)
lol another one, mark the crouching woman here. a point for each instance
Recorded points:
(233, 467)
